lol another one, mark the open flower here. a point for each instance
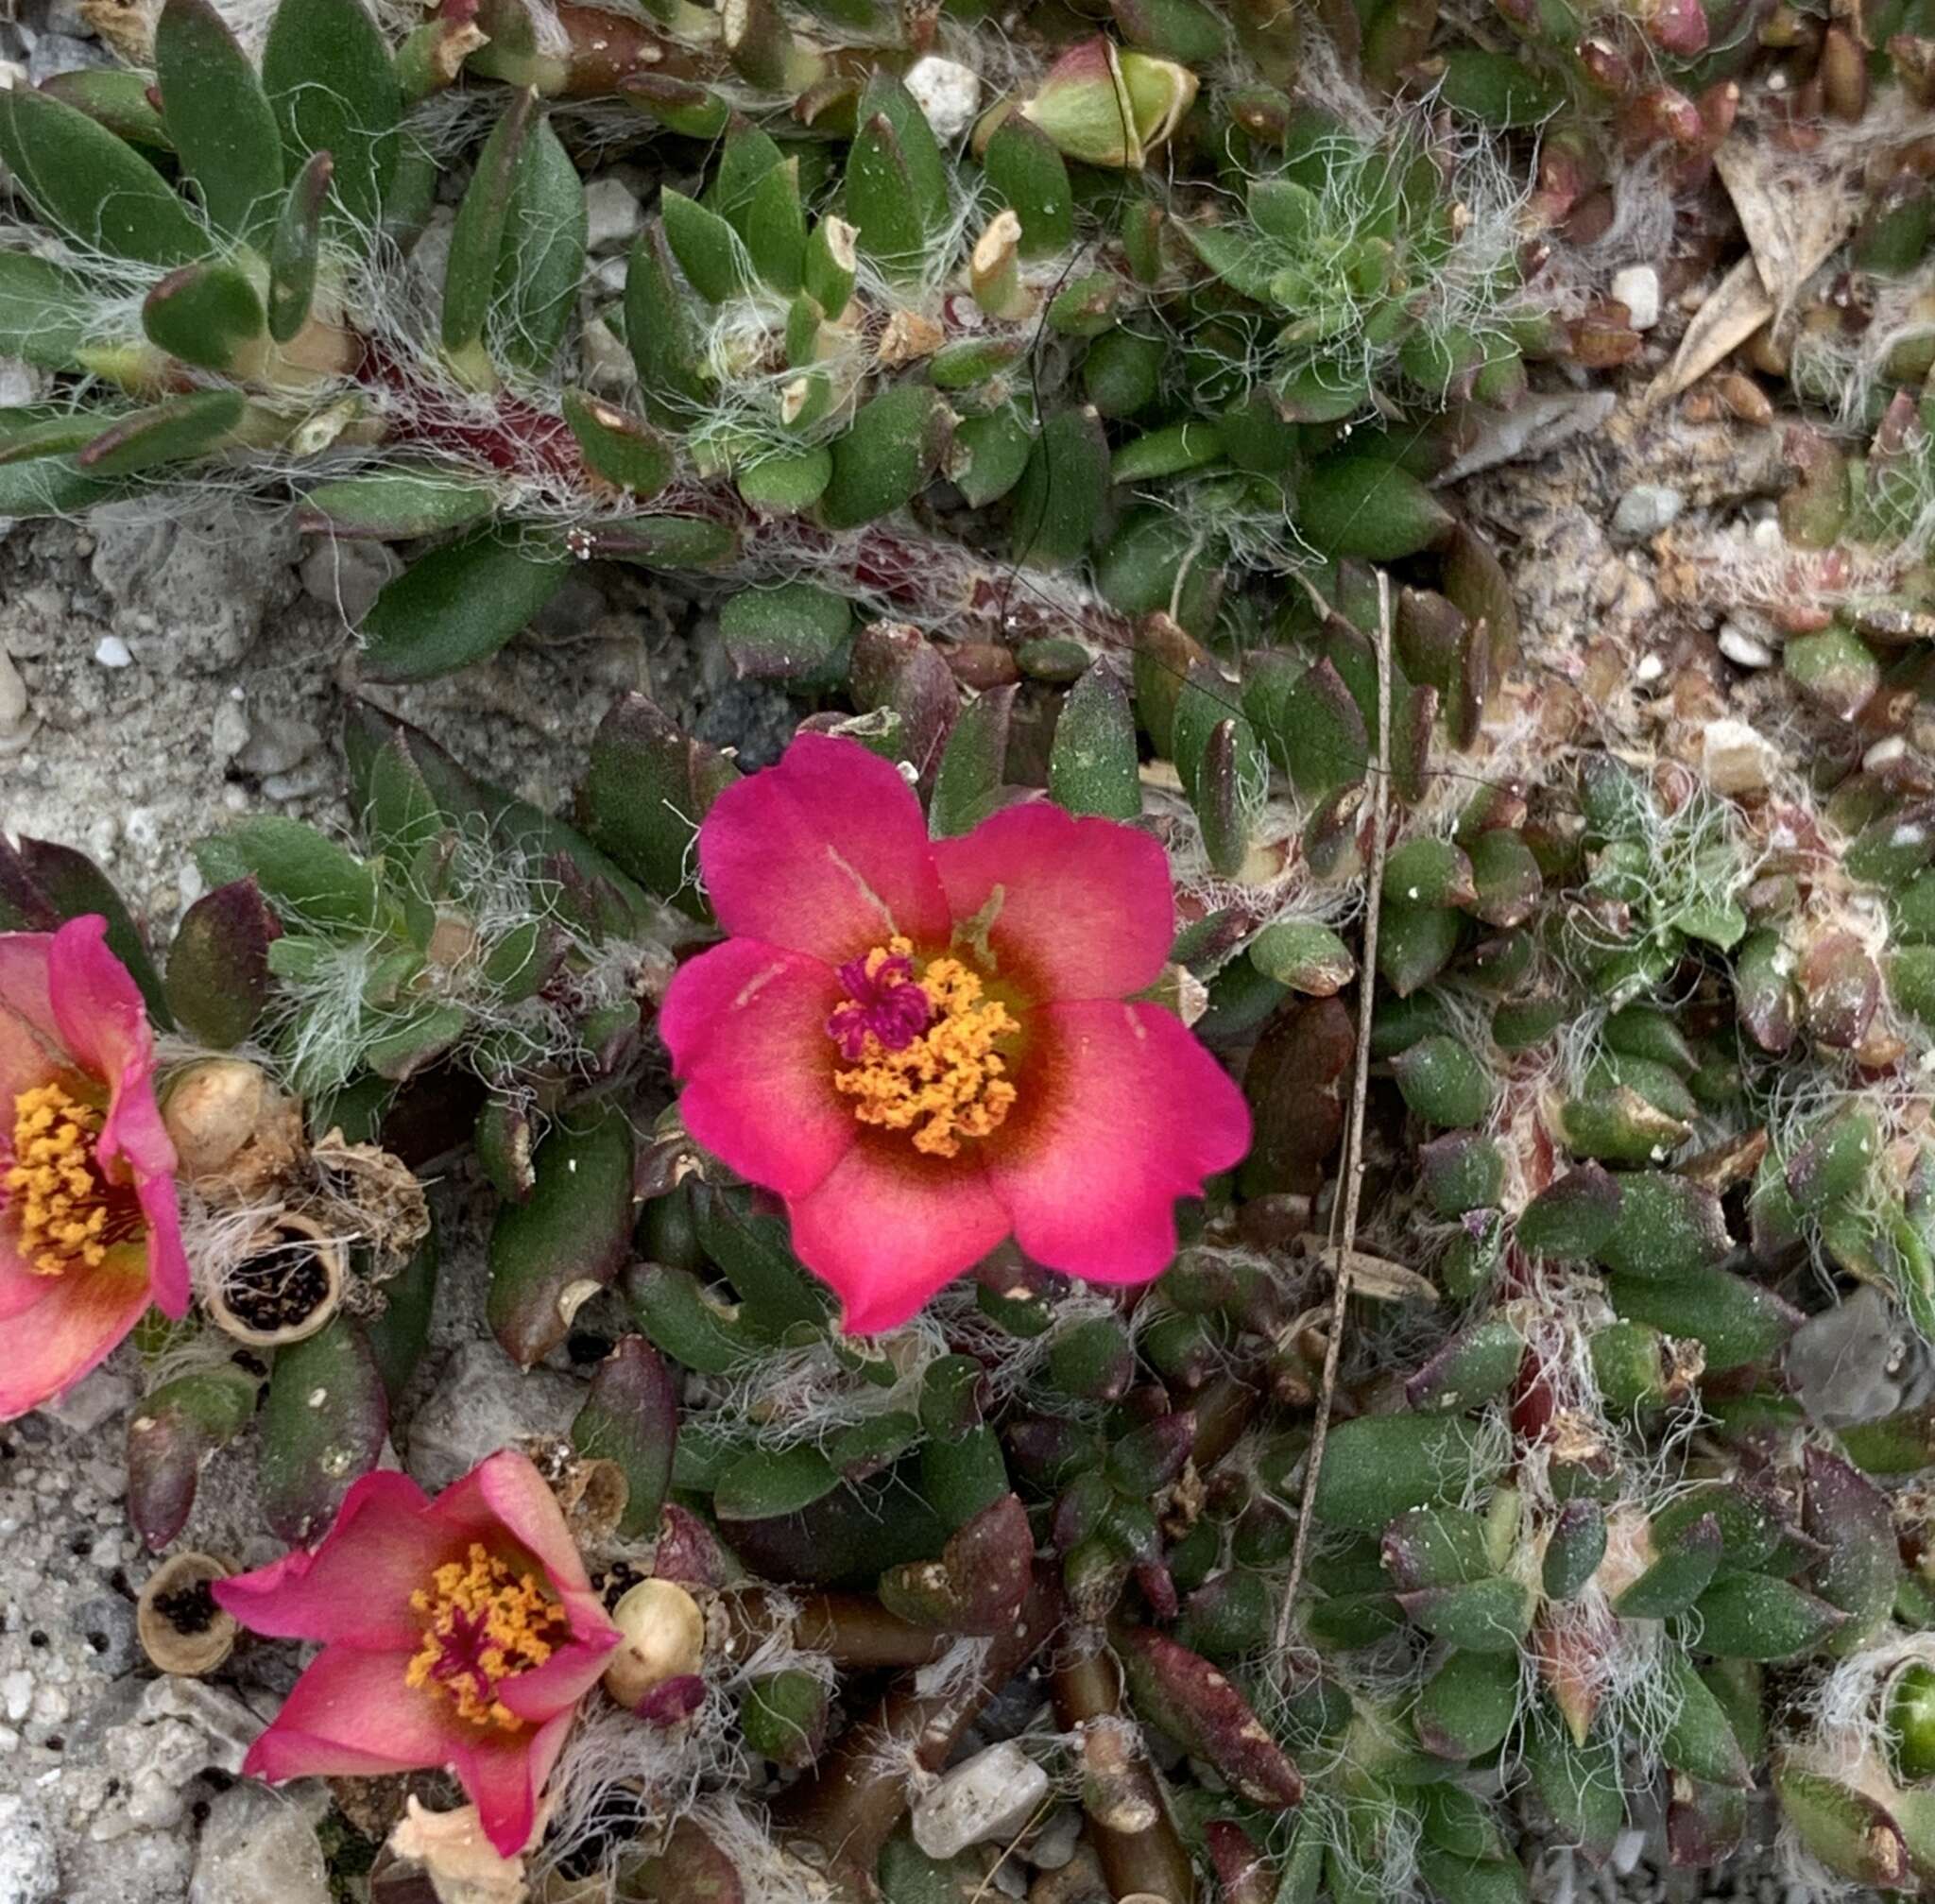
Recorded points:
(925, 1046)
(90, 1234)
(460, 1632)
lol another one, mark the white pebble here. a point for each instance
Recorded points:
(1637, 288)
(948, 94)
(112, 652)
(1742, 649)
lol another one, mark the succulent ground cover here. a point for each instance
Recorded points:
(1209, 1185)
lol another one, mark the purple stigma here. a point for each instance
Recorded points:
(885, 1005)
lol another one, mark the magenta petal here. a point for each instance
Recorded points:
(353, 1715)
(563, 1679)
(826, 853)
(30, 1050)
(1085, 910)
(103, 1021)
(505, 1493)
(84, 1317)
(1122, 1112)
(167, 1265)
(504, 1776)
(889, 1227)
(20, 1288)
(354, 1588)
(24, 994)
(747, 1026)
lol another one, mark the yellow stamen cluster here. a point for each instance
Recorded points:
(948, 1083)
(486, 1622)
(61, 1201)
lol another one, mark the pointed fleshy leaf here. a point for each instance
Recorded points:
(1092, 766)
(93, 187)
(45, 312)
(218, 978)
(568, 1239)
(973, 765)
(329, 75)
(540, 264)
(887, 455)
(323, 1426)
(295, 245)
(43, 884)
(630, 1416)
(395, 504)
(171, 1433)
(171, 431)
(219, 118)
(1059, 502)
(647, 785)
(1029, 177)
(459, 605)
(477, 238)
(206, 315)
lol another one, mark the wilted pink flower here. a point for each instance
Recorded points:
(925, 1046)
(460, 1632)
(90, 1234)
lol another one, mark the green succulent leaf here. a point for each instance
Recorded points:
(329, 75)
(219, 118)
(93, 187)
(460, 604)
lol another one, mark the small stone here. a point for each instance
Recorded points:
(348, 576)
(1645, 509)
(29, 1870)
(948, 94)
(106, 1626)
(17, 1694)
(58, 53)
(1738, 759)
(278, 743)
(484, 1403)
(94, 1399)
(1742, 649)
(613, 216)
(260, 1847)
(989, 1796)
(1637, 288)
(1054, 1844)
(16, 710)
(228, 733)
(112, 652)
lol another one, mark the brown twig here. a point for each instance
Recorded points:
(1344, 1236)
(846, 1808)
(1129, 1826)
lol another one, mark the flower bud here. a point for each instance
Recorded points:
(1110, 108)
(212, 1110)
(663, 1638)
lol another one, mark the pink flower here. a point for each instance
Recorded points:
(460, 1632)
(926, 1046)
(90, 1235)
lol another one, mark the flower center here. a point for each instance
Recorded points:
(486, 1624)
(67, 1211)
(919, 1048)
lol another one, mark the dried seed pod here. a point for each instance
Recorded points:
(285, 1288)
(180, 1628)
